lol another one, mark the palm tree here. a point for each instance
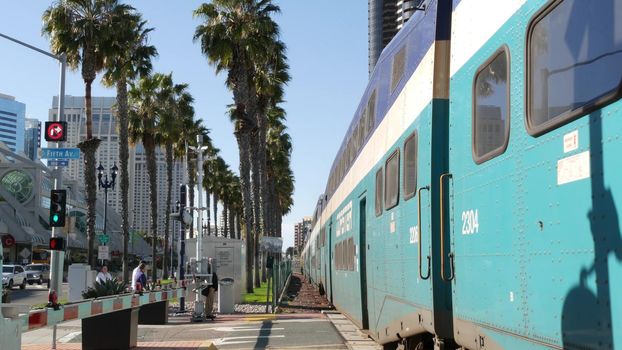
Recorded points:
(269, 81)
(176, 109)
(83, 30)
(280, 176)
(233, 36)
(146, 96)
(130, 58)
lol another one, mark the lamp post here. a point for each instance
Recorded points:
(105, 184)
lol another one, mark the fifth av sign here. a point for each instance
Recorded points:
(55, 131)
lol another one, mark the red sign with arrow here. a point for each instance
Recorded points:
(55, 131)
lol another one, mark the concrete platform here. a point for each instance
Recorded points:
(353, 337)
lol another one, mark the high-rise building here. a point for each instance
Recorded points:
(385, 19)
(140, 215)
(32, 138)
(301, 232)
(12, 119)
(104, 126)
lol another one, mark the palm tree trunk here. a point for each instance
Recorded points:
(149, 144)
(257, 220)
(124, 154)
(225, 221)
(232, 216)
(216, 214)
(89, 147)
(238, 225)
(247, 210)
(169, 194)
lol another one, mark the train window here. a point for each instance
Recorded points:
(574, 50)
(337, 256)
(392, 180)
(340, 249)
(351, 254)
(371, 112)
(379, 186)
(491, 119)
(399, 63)
(410, 166)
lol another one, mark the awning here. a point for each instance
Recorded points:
(36, 238)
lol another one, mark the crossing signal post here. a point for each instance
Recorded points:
(58, 208)
(182, 239)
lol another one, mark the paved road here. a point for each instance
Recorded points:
(34, 294)
(253, 332)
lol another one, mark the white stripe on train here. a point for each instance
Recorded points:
(469, 31)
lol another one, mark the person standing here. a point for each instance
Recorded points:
(103, 275)
(211, 291)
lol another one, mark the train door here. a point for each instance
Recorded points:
(480, 200)
(363, 261)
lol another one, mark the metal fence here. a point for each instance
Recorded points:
(280, 274)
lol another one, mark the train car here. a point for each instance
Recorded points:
(473, 199)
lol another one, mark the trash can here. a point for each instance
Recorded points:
(225, 296)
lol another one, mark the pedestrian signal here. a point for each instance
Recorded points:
(58, 208)
(57, 243)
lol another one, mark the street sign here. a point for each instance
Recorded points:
(60, 153)
(103, 239)
(271, 244)
(55, 131)
(103, 253)
(58, 162)
(24, 253)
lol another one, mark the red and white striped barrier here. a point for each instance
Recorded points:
(75, 311)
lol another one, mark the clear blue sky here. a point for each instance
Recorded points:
(327, 49)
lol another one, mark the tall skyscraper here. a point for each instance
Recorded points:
(301, 232)
(12, 120)
(106, 129)
(140, 214)
(32, 138)
(385, 19)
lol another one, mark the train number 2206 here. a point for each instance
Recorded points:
(470, 222)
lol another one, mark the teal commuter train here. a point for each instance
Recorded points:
(474, 200)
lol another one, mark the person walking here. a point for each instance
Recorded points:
(138, 275)
(210, 291)
(103, 275)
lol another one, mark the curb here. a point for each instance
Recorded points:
(354, 338)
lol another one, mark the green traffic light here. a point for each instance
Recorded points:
(55, 217)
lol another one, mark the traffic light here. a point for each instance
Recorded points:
(57, 243)
(58, 208)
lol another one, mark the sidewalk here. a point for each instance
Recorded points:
(302, 324)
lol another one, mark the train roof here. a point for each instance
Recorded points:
(418, 34)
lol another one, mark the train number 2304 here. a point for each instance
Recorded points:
(470, 222)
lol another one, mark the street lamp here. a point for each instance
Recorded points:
(105, 184)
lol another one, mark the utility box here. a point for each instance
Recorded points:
(80, 278)
(225, 296)
(229, 255)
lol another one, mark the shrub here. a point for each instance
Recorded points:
(109, 287)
